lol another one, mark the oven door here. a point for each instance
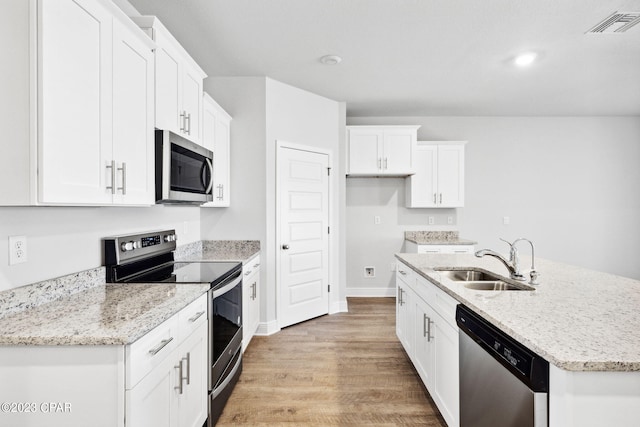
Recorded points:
(225, 326)
(184, 170)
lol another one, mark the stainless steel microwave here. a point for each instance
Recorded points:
(184, 170)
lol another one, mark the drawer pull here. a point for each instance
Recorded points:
(196, 316)
(160, 346)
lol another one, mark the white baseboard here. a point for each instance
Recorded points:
(371, 292)
(267, 328)
(339, 307)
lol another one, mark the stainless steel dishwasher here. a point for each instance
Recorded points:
(502, 383)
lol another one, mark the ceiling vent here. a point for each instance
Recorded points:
(618, 22)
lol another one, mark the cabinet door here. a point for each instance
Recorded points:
(404, 318)
(365, 151)
(133, 145)
(74, 141)
(424, 347)
(167, 85)
(151, 403)
(451, 175)
(192, 403)
(397, 151)
(445, 390)
(216, 136)
(422, 186)
(192, 103)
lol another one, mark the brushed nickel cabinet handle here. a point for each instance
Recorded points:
(440, 198)
(196, 316)
(429, 322)
(179, 368)
(160, 346)
(188, 359)
(112, 187)
(183, 122)
(124, 178)
(435, 200)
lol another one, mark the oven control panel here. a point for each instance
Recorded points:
(126, 248)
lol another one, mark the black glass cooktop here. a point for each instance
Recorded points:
(189, 272)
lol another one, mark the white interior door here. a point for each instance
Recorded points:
(303, 243)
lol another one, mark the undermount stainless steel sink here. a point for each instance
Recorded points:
(481, 280)
(497, 285)
(469, 275)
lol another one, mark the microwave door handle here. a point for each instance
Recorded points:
(210, 186)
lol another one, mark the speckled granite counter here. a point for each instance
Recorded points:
(218, 250)
(578, 319)
(111, 314)
(436, 238)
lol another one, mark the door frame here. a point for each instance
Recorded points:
(280, 144)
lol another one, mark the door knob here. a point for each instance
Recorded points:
(285, 247)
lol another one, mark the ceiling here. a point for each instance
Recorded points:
(421, 57)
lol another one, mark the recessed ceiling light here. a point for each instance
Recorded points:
(330, 59)
(525, 59)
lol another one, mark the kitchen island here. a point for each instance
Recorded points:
(583, 322)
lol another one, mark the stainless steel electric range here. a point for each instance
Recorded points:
(149, 258)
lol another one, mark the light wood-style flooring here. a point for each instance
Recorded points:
(346, 369)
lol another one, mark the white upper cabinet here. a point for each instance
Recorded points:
(88, 136)
(133, 137)
(439, 178)
(381, 150)
(178, 83)
(216, 136)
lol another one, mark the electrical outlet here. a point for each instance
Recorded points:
(431, 220)
(17, 249)
(369, 272)
(376, 219)
(449, 220)
(506, 220)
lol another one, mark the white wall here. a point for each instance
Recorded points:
(65, 240)
(570, 184)
(264, 111)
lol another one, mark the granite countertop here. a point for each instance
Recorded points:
(578, 319)
(219, 250)
(110, 314)
(80, 309)
(436, 238)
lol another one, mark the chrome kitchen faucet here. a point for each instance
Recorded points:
(513, 263)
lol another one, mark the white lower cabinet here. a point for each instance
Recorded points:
(174, 392)
(250, 299)
(428, 332)
(405, 308)
(159, 380)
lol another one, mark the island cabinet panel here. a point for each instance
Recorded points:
(593, 398)
(427, 330)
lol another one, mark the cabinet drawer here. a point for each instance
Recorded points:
(445, 305)
(406, 274)
(251, 266)
(150, 350)
(192, 316)
(445, 249)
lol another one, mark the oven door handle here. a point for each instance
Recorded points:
(226, 381)
(228, 287)
(210, 186)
